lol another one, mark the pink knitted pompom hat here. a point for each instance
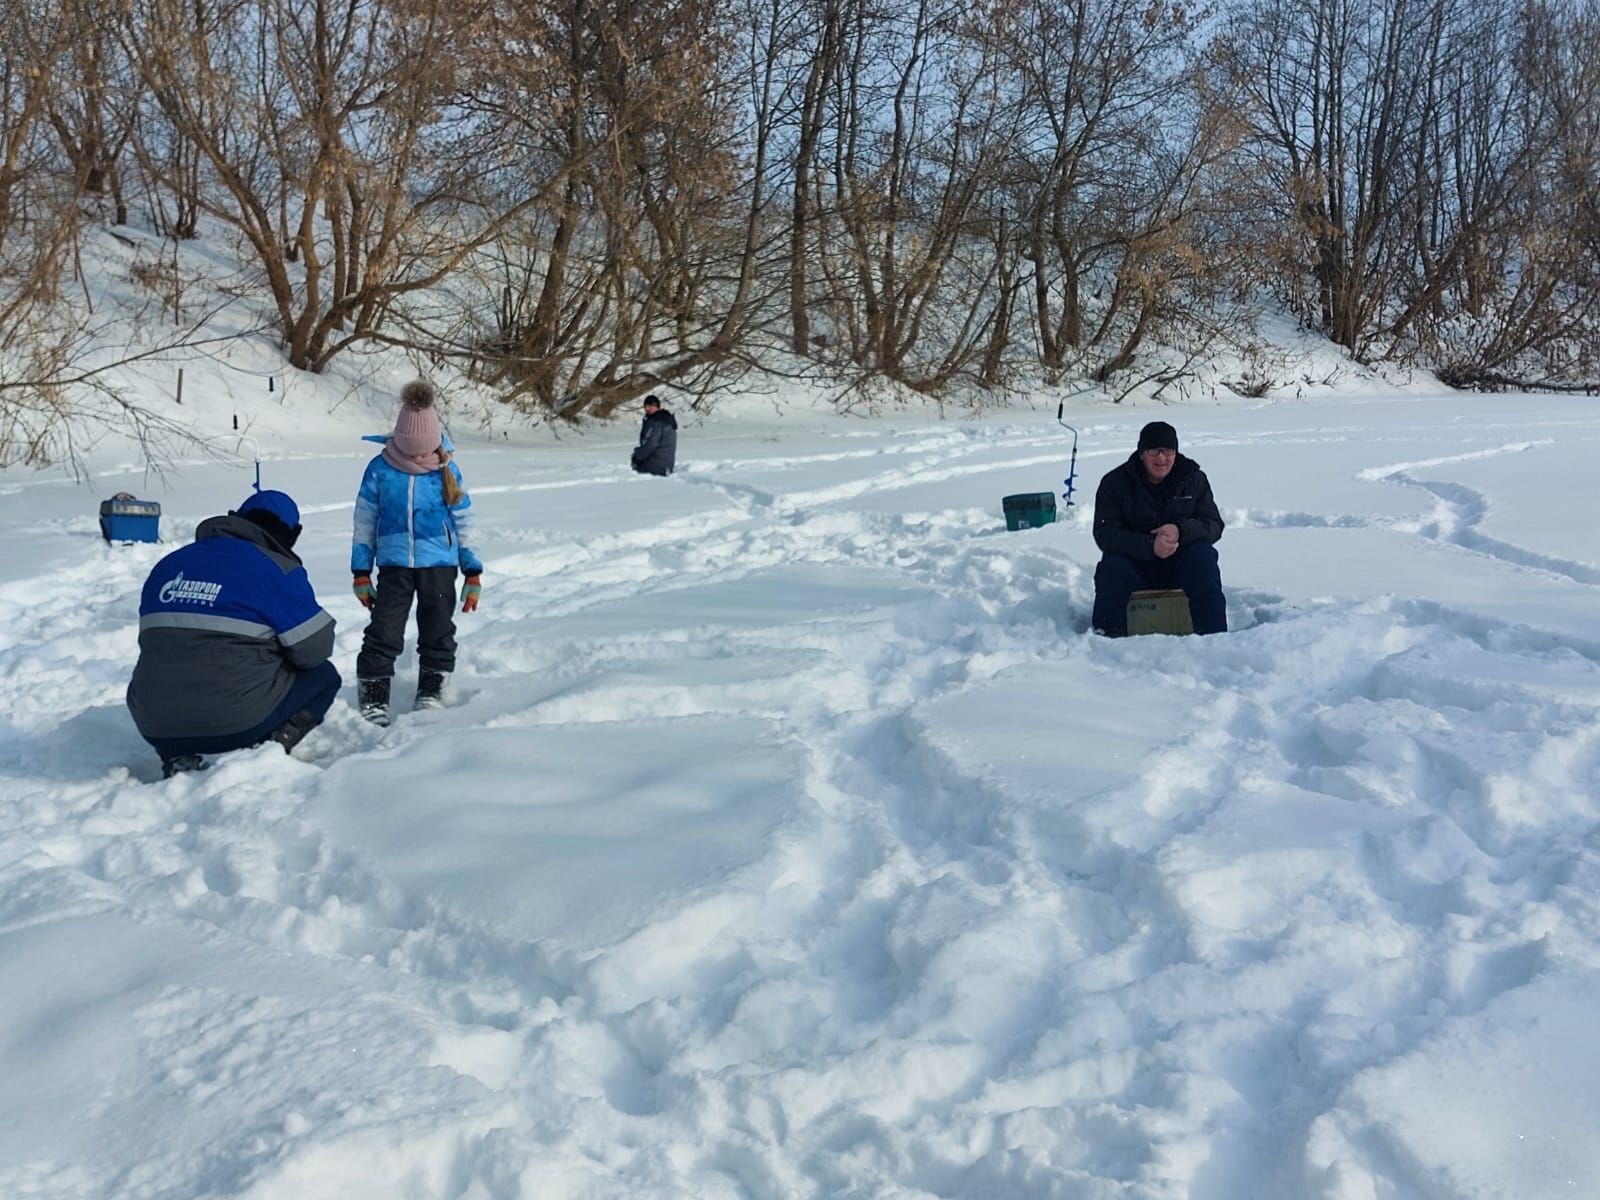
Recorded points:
(416, 429)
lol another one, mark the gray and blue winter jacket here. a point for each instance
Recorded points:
(402, 520)
(225, 624)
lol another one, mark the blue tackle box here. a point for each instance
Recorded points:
(126, 519)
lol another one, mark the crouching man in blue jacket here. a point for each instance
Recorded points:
(233, 647)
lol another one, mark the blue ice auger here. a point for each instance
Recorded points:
(1072, 470)
(255, 446)
(240, 438)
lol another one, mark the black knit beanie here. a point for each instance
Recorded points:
(1158, 435)
(285, 535)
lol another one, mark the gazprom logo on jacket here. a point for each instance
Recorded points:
(193, 591)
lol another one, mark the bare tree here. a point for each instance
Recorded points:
(331, 142)
(1335, 92)
(1115, 175)
(895, 252)
(811, 48)
(1532, 290)
(91, 100)
(39, 227)
(1095, 79)
(583, 200)
(636, 261)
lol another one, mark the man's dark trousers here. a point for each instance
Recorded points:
(435, 591)
(1193, 568)
(311, 690)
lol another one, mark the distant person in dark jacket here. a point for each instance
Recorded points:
(657, 451)
(233, 647)
(1157, 527)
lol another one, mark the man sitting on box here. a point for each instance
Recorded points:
(1157, 526)
(233, 646)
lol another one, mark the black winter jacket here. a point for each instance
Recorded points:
(657, 451)
(1127, 508)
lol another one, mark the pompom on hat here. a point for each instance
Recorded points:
(416, 429)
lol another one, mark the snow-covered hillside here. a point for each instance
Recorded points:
(788, 836)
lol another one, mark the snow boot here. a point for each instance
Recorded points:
(374, 699)
(179, 764)
(289, 734)
(430, 689)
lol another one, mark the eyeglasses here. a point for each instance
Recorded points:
(1161, 452)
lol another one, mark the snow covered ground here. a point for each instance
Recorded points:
(787, 834)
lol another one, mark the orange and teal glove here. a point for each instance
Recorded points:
(361, 585)
(470, 592)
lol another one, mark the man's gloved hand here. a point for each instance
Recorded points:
(361, 585)
(1166, 540)
(470, 592)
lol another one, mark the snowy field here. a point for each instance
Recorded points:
(787, 835)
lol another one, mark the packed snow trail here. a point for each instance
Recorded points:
(787, 835)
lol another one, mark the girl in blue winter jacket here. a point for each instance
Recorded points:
(414, 524)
